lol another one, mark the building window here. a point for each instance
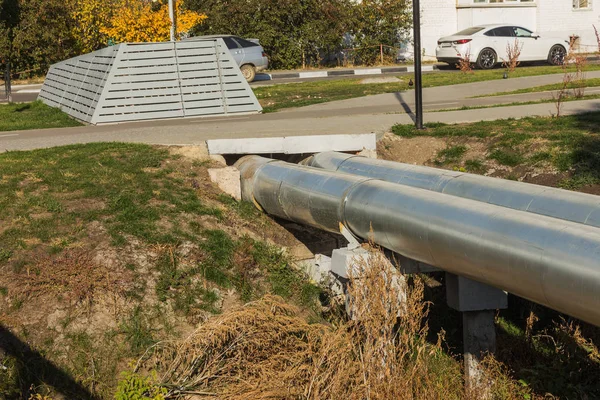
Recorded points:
(582, 4)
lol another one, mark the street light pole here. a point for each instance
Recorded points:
(173, 16)
(417, 57)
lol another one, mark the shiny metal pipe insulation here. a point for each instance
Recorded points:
(571, 206)
(546, 260)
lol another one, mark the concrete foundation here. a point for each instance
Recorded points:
(293, 144)
(346, 262)
(478, 303)
(228, 180)
(464, 294)
(479, 339)
(410, 266)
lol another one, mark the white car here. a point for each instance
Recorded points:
(486, 46)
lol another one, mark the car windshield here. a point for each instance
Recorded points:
(469, 31)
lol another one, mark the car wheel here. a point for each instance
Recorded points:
(248, 71)
(487, 59)
(557, 54)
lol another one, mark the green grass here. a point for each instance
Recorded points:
(137, 330)
(34, 115)
(449, 155)
(123, 184)
(167, 237)
(547, 88)
(278, 97)
(571, 144)
(510, 158)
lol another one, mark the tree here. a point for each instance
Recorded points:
(90, 18)
(147, 21)
(36, 33)
(293, 32)
(379, 22)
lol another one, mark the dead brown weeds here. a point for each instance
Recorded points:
(73, 274)
(265, 349)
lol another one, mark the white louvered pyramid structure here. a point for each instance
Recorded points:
(146, 81)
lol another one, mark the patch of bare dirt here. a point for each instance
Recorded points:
(418, 150)
(198, 153)
(83, 205)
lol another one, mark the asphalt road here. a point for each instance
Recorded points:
(27, 93)
(375, 114)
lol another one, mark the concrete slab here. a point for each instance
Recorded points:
(293, 144)
(464, 294)
(228, 180)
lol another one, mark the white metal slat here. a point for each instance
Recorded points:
(146, 78)
(112, 118)
(142, 108)
(114, 94)
(143, 100)
(205, 111)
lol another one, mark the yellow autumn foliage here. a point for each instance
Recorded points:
(136, 21)
(91, 17)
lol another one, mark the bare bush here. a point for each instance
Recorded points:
(597, 37)
(573, 81)
(464, 63)
(513, 52)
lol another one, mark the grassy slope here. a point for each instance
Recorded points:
(107, 248)
(277, 97)
(34, 115)
(568, 145)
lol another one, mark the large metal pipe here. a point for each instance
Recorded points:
(546, 260)
(571, 206)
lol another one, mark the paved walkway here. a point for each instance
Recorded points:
(372, 114)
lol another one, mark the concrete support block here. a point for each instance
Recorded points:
(345, 260)
(228, 180)
(318, 270)
(410, 266)
(369, 153)
(464, 294)
(479, 337)
(218, 158)
(478, 303)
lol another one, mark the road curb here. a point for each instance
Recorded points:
(346, 72)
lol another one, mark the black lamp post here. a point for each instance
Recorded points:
(417, 57)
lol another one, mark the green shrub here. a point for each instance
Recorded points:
(135, 387)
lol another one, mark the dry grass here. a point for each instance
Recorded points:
(73, 274)
(266, 349)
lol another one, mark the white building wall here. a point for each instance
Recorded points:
(559, 18)
(524, 15)
(438, 18)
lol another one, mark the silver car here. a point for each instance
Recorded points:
(248, 53)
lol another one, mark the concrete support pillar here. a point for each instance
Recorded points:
(479, 339)
(478, 303)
